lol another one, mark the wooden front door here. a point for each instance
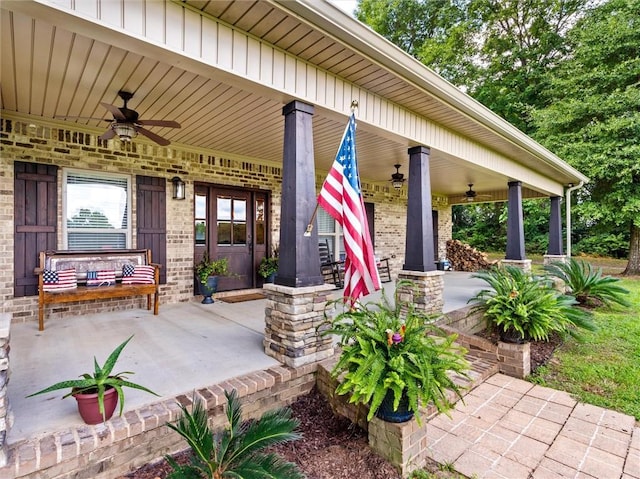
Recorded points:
(231, 223)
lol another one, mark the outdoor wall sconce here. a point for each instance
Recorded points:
(397, 179)
(178, 188)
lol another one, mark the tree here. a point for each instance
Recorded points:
(593, 117)
(86, 218)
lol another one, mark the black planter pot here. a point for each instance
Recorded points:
(386, 412)
(511, 336)
(271, 278)
(208, 288)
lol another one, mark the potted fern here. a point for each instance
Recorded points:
(268, 268)
(395, 359)
(97, 394)
(207, 271)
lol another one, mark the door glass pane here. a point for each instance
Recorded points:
(224, 208)
(201, 232)
(239, 233)
(259, 234)
(224, 232)
(239, 210)
(201, 206)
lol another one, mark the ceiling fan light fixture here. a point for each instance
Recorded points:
(397, 178)
(125, 131)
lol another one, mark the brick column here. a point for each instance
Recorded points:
(426, 291)
(292, 316)
(6, 416)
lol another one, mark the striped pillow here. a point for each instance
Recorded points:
(59, 280)
(139, 274)
(101, 278)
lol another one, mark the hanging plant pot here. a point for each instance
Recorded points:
(89, 409)
(386, 412)
(207, 289)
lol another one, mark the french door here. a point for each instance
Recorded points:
(232, 223)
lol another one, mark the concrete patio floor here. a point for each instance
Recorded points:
(187, 346)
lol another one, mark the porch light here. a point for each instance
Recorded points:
(397, 179)
(125, 131)
(178, 188)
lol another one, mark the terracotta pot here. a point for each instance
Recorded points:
(386, 412)
(89, 409)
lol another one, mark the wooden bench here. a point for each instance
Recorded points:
(85, 262)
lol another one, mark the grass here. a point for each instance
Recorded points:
(605, 369)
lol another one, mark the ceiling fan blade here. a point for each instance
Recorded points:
(80, 118)
(107, 135)
(158, 139)
(165, 123)
(115, 111)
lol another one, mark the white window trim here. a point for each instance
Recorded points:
(96, 174)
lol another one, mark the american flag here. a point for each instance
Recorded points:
(340, 196)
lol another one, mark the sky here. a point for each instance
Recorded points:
(347, 5)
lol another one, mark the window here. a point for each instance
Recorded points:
(96, 208)
(330, 229)
(232, 221)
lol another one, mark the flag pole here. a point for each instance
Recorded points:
(354, 108)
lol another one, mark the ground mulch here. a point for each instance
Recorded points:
(332, 447)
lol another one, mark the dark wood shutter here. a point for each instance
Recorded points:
(35, 212)
(151, 219)
(370, 211)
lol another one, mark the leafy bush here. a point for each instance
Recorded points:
(395, 348)
(588, 285)
(236, 451)
(527, 306)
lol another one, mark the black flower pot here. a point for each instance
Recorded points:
(511, 336)
(386, 412)
(208, 288)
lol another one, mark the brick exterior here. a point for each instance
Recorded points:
(30, 140)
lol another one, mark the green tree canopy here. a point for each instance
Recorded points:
(593, 117)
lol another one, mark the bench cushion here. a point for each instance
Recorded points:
(101, 278)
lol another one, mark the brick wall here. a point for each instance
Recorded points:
(125, 443)
(32, 140)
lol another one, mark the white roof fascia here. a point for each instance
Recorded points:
(355, 35)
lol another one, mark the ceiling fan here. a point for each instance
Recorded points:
(471, 195)
(126, 124)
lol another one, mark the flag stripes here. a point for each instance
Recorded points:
(341, 197)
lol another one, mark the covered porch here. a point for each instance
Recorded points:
(188, 346)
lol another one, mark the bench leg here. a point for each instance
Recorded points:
(149, 302)
(40, 316)
(156, 302)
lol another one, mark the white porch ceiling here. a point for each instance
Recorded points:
(53, 72)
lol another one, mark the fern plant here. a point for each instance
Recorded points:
(395, 348)
(529, 308)
(588, 285)
(237, 451)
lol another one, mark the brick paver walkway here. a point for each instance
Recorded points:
(511, 429)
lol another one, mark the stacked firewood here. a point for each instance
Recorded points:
(466, 258)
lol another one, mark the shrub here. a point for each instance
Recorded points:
(236, 451)
(588, 285)
(527, 306)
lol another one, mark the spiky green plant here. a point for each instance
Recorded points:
(527, 305)
(235, 452)
(99, 381)
(395, 348)
(587, 284)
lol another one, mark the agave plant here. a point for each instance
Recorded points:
(396, 350)
(527, 305)
(101, 380)
(237, 451)
(588, 285)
